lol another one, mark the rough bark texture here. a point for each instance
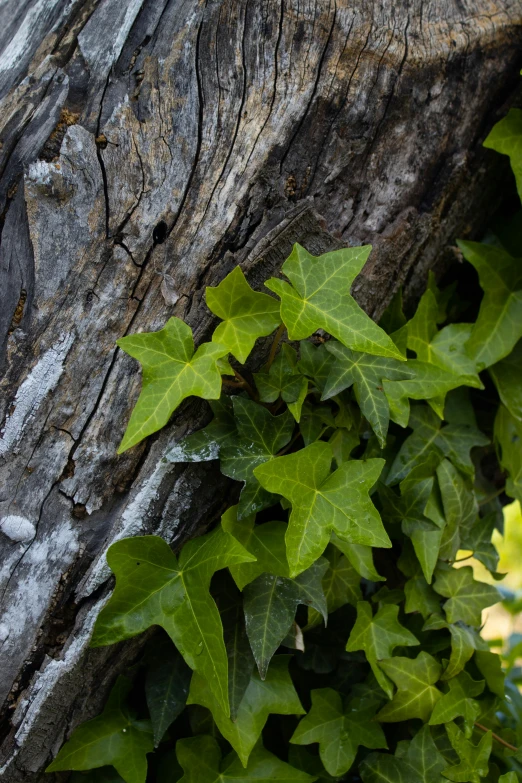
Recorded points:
(142, 137)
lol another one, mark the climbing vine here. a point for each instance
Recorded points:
(328, 628)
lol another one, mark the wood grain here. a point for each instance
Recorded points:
(184, 137)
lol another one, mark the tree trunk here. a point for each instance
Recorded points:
(182, 137)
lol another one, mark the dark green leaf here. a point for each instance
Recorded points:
(166, 685)
(473, 758)
(416, 693)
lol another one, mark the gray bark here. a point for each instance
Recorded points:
(183, 137)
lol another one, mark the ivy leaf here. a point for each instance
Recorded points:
(490, 666)
(240, 659)
(102, 775)
(366, 373)
(458, 702)
(499, 323)
(153, 589)
(341, 585)
(416, 692)
(378, 636)
(338, 731)
(506, 138)
(508, 435)
(284, 380)
(276, 694)
(314, 362)
(264, 542)
(115, 737)
(166, 685)
(463, 645)
(507, 377)
(473, 758)
(270, 604)
(360, 557)
(477, 538)
(318, 500)
(460, 507)
(205, 444)
(319, 299)
(200, 758)
(453, 441)
(260, 436)
(171, 372)
(245, 314)
(421, 763)
(466, 597)
(420, 597)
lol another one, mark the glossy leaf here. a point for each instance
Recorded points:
(473, 758)
(508, 435)
(319, 298)
(339, 731)
(366, 373)
(172, 371)
(459, 702)
(284, 380)
(260, 437)
(507, 376)
(466, 597)
(276, 694)
(506, 138)
(200, 758)
(205, 444)
(318, 501)
(499, 323)
(270, 604)
(341, 585)
(166, 685)
(420, 763)
(416, 694)
(115, 737)
(245, 314)
(152, 588)
(378, 636)
(264, 542)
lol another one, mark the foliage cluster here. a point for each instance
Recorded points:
(326, 628)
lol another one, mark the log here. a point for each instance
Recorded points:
(150, 137)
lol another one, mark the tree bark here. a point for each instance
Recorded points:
(183, 137)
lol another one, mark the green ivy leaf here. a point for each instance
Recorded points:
(509, 777)
(453, 441)
(458, 702)
(245, 314)
(153, 589)
(205, 444)
(460, 507)
(341, 585)
(240, 659)
(360, 557)
(318, 501)
(171, 372)
(466, 597)
(477, 538)
(499, 324)
(473, 758)
(200, 758)
(416, 692)
(260, 437)
(318, 299)
(508, 435)
(507, 377)
(270, 604)
(490, 666)
(166, 685)
(421, 763)
(378, 636)
(366, 373)
(506, 138)
(115, 737)
(338, 731)
(276, 694)
(314, 362)
(264, 542)
(284, 380)
(463, 645)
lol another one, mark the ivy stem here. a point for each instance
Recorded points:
(492, 497)
(245, 384)
(496, 737)
(275, 342)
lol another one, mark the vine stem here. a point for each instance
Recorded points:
(275, 342)
(245, 384)
(496, 737)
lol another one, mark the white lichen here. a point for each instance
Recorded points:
(17, 528)
(41, 380)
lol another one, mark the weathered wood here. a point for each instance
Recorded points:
(184, 137)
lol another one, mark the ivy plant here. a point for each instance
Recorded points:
(326, 628)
